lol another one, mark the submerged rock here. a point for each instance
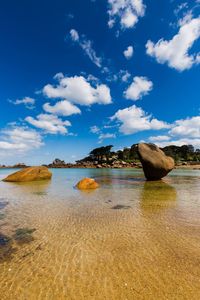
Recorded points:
(2, 216)
(24, 235)
(121, 206)
(3, 204)
(6, 248)
(87, 184)
(29, 174)
(154, 161)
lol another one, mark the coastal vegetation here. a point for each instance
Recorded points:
(128, 154)
(105, 156)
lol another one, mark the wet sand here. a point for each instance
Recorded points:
(130, 239)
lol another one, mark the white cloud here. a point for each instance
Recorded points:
(175, 52)
(127, 11)
(74, 35)
(128, 53)
(62, 108)
(101, 135)
(95, 129)
(180, 142)
(159, 138)
(124, 75)
(189, 127)
(78, 90)
(182, 132)
(19, 140)
(180, 7)
(140, 87)
(49, 123)
(27, 101)
(186, 18)
(104, 136)
(86, 46)
(133, 119)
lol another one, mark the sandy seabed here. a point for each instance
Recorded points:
(130, 239)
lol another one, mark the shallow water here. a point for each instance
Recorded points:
(130, 239)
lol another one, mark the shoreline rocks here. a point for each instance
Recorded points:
(115, 164)
(29, 174)
(155, 163)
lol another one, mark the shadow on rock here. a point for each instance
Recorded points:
(157, 195)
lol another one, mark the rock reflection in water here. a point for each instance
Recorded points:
(39, 188)
(157, 195)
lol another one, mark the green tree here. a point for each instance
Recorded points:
(99, 153)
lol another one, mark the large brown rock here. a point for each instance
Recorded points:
(29, 174)
(154, 161)
(87, 184)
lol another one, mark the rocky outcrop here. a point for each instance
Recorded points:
(29, 174)
(87, 184)
(154, 161)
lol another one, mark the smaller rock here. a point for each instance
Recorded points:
(87, 184)
(99, 166)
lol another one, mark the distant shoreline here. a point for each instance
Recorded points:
(74, 166)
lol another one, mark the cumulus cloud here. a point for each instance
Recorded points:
(49, 123)
(175, 52)
(27, 101)
(182, 132)
(189, 127)
(128, 53)
(159, 138)
(180, 142)
(140, 87)
(86, 46)
(19, 140)
(78, 90)
(126, 11)
(62, 108)
(133, 119)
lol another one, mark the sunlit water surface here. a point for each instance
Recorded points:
(130, 239)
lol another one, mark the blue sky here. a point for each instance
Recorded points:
(80, 74)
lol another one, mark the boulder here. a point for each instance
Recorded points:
(29, 174)
(154, 161)
(87, 184)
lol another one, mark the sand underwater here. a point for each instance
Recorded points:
(129, 239)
